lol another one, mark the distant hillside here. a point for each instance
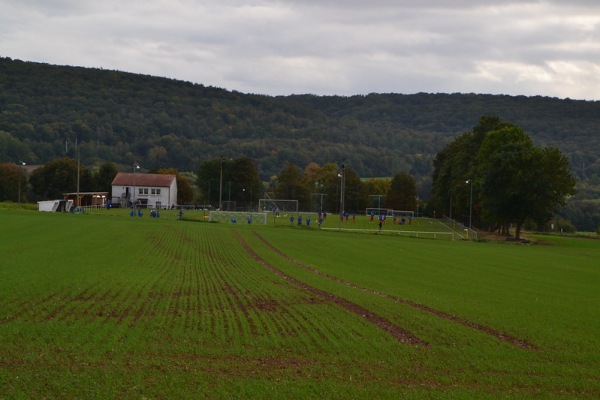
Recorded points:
(159, 123)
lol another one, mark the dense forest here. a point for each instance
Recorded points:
(45, 110)
(158, 122)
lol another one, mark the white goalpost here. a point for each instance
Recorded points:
(279, 208)
(389, 212)
(278, 205)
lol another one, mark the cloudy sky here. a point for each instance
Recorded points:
(323, 47)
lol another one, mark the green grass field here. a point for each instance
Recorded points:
(103, 305)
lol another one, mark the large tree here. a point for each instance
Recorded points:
(246, 186)
(230, 180)
(59, 176)
(104, 177)
(506, 192)
(335, 175)
(524, 182)
(452, 167)
(403, 193)
(292, 185)
(354, 195)
(499, 151)
(496, 169)
(458, 163)
(185, 192)
(13, 182)
(214, 180)
(375, 192)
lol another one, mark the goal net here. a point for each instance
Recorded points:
(280, 209)
(238, 217)
(402, 213)
(278, 206)
(378, 211)
(389, 212)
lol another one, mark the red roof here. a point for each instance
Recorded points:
(154, 180)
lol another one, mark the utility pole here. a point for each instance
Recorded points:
(342, 175)
(470, 182)
(135, 168)
(321, 196)
(221, 186)
(78, 163)
(21, 165)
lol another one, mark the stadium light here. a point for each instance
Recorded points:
(135, 168)
(342, 175)
(221, 185)
(417, 199)
(243, 190)
(470, 183)
(21, 164)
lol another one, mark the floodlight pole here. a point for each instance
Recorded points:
(209, 181)
(417, 199)
(21, 165)
(221, 186)
(321, 196)
(78, 163)
(243, 190)
(342, 175)
(135, 167)
(470, 182)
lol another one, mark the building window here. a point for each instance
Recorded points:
(145, 190)
(140, 191)
(157, 191)
(153, 191)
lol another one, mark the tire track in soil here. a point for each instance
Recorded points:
(492, 332)
(399, 333)
(253, 302)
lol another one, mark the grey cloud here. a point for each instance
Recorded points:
(322, 47)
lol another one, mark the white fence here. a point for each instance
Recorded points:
(460, 229)
(418, 234)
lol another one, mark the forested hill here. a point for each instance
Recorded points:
(160, 123)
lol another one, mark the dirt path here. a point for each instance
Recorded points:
(399, 333)
(500, 335)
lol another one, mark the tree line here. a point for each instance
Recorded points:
(66, 175)
(164, 123)
(494, 171)
(315, 187)
(46, 111)
(222, 180)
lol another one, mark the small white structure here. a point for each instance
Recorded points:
(55, 205)
(145, 190)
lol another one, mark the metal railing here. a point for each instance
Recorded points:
(460, 229)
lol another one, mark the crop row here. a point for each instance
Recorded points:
(193, 285)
